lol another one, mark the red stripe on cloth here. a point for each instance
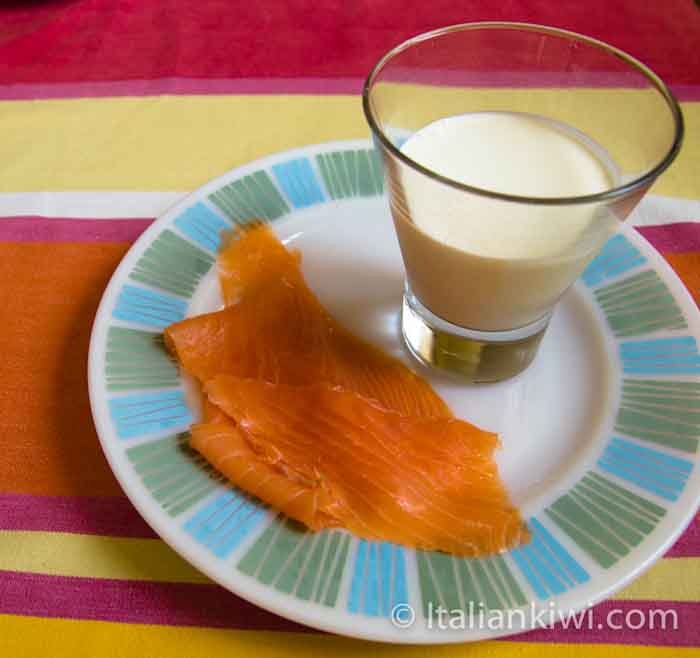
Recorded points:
(110, 515)
(679, 237)
(614, 622)
(180, 604)
(86, 40)
(171, 604)
(45, 229)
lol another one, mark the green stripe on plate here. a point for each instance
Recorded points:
(639, 304)
(604, 519)
(253, 197)
(469, 584)
(176, 476)
(137, 359)
(173, 264)
(293, 560)
(665, 413)
(351, 173)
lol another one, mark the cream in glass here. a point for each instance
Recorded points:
(495, 266)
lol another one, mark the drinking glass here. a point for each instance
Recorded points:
(482, 315)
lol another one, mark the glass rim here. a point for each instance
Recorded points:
(607, 195)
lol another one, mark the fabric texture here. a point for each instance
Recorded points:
(100, 100)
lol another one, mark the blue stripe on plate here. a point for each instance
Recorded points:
(202, 225)
(661, 356)
(149, 308)
(618, 255)
(546, 564)
(298, 181)
(225, 522)
(134, 415)
(378, 580)
(655, 471)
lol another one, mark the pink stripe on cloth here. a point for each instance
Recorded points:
(181, 87)
(615, 622)
(686, 93)
(181, 604)
(674, 238)
(688, 545)
(44, 229)
(139, 602)
(273, 85)
(112, 516)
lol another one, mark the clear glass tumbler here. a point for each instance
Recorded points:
(479, 307)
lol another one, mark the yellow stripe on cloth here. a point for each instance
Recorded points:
(91, 556)
(158, 143)
(180, 142)
(672, 579)
(28, 637)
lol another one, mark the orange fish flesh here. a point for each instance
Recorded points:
(326, 427)
(275, 329)
(347, 462)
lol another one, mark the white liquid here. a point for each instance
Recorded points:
(488, 264)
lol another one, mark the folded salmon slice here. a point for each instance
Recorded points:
(329, 457)
(226, 448)
(273, 328)
(328, 428)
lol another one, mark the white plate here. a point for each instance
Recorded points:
(599, 435)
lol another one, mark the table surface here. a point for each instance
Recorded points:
(109, 113)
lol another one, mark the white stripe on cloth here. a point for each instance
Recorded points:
(653, 209)
(88, 205)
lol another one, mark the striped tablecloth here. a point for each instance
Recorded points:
(109, 113)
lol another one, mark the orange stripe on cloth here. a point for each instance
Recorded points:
(687, 267)
(49, 297)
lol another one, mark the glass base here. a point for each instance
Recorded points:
(473, 356)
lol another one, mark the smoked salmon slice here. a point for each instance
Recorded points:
(327, 428)
(274, 328)
(222, 443)
(337, 459)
